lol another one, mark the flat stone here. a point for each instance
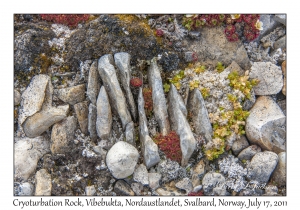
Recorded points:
(269, 76)
(25, 189)
(279, 174)
(93, 84)
(122, 61)
(92, 118)
(214, 184)
(72, 95)
(200, 119)
(239, 145)
(82, 112)
(90, 190)
(104, 115)
(281, 18)
(27, 153)
(43, 183)
(158, 97)
(283, 67)
(249, 152)
(264, 126)
(137, 188)
(185, 184)
(154, 179)
(123, 189)
(110, 81)
(141, 175)
(262, 166)
(280, 43)
(180, 124)
(130, 133)
(62, 134)
(17, 98)
(121, 159)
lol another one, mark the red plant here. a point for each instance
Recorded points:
(136, 82)
(147, 93)
(65, 19)
(200, 193)
(195, 56)
(159, 32)
(170, 145)
(229, 30)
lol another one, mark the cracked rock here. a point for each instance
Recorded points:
(72, 95)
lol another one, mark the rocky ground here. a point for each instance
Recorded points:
(144, 105)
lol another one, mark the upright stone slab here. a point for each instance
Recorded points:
(92, 118)
(93, 85)
(82, 111)
(43, 183)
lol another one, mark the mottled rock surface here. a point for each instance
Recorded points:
(249, 152)
(154, 179)
(90, 190)
(72, 95)
(17, 98)
(214, 184)
(130, 133)
(123, 189)
(283, 67)
(239, 145)
(93, 84)
(185, 184)
(82, 112)
(279, 174)
(92, 118)
(25, 189)
(43, 183)
(281, 18)
(141, 175)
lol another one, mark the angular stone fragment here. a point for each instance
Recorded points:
(198, 111)
(249, 102)
(27, 153)
(158, 97)
(269, 24)
(265, 125)
(121, 159)
(25, 189)
(235, 67)
(104, 116)
(92, 118)
(43, 183)
(130, 133)
(122, 61)
(90, 190)
(214, 184)
(154, 179)
(93, 85)
(279, 174)
(123, 189)
(17, 98)
(137, 188)
(249, 152)
(82, 112)
(141, 175)
(185, 184)
(280, 43)
(239, 145)
(180, 124)
(261, 166)
(149, 148)
(281, 18)
(62, 134)
(72, 95)
(109, 78)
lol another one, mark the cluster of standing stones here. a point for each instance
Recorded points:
(94, 116)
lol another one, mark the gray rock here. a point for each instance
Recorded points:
(25, 189)
(154, 179)
(27, 153)
(170, 170)
(269, 76)
(269, 24)
(188, 56)
(280, 43)
(235, 67)
(261, 166)
(195, 180)
(264, 125)
(122, 61)
(166, 191)
(200, 119)
(194, 34)
(180, 124)
(279, 174)
(33, 97)
(104, 116)
(149, 148)
(281, 18)
(130, 133)
(123, 189)
(105, 144)
(239, 145)
(282, 105)
(249, 152)
(82, 112)
(17, 98)
(197, 188)
(249, 102)
(90, 190)
(214, 184)
(43, 183)
(62, 134)
(92, 118)
(158, 97)
(100, 151)
(185, 184)
(271, 190)
(72, 95)
(137, 188)
(121, 159)
(269, 40)
(141, 175)
(93, 85)
(109, 78)
(199, 169)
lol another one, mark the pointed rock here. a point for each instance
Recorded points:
(158, 97)
(93, 85)
(72, 95)
(43, 183)
(123, 189)
(92, 118)
(200, 119)
(149, 148)
(109, 78)
(81, 110)
(130, 133)
(122, 61)
(104, 117)
(180, 124)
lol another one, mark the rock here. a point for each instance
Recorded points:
(269, 76)
(181, 126)
(271, 190)
(154, 179)
(170, 170)
(200, 119)
(214, 184)
(100, 151)
(249, 102)
(33, 97)
(268, 40)
(141, 175)
(269, 24)
(121, 159)
(239, 145)
(82, 112)
(169, 61)
(123, 189)
(262, 166)
(194, 34)
(93, 85)
(197, 188)
(149, 148)
(185, 184)
(281, 18)
(104, 116)
(169, 191)
(130, 133)
(25, 189)
(280, 43)
(282, 105)
(90, 190)
(92, 118)
(188, 56)
(43, 183)
(122, 61)
(105, 144)
(72, 95)
(279, 175)
(283, 67)
(199, 169)
(235, 67)
(17, 98)
(137, 188)
(63, 133)
(249, 152)
(109, 78)
(27, 153)
(264, 125)
(158, 97)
